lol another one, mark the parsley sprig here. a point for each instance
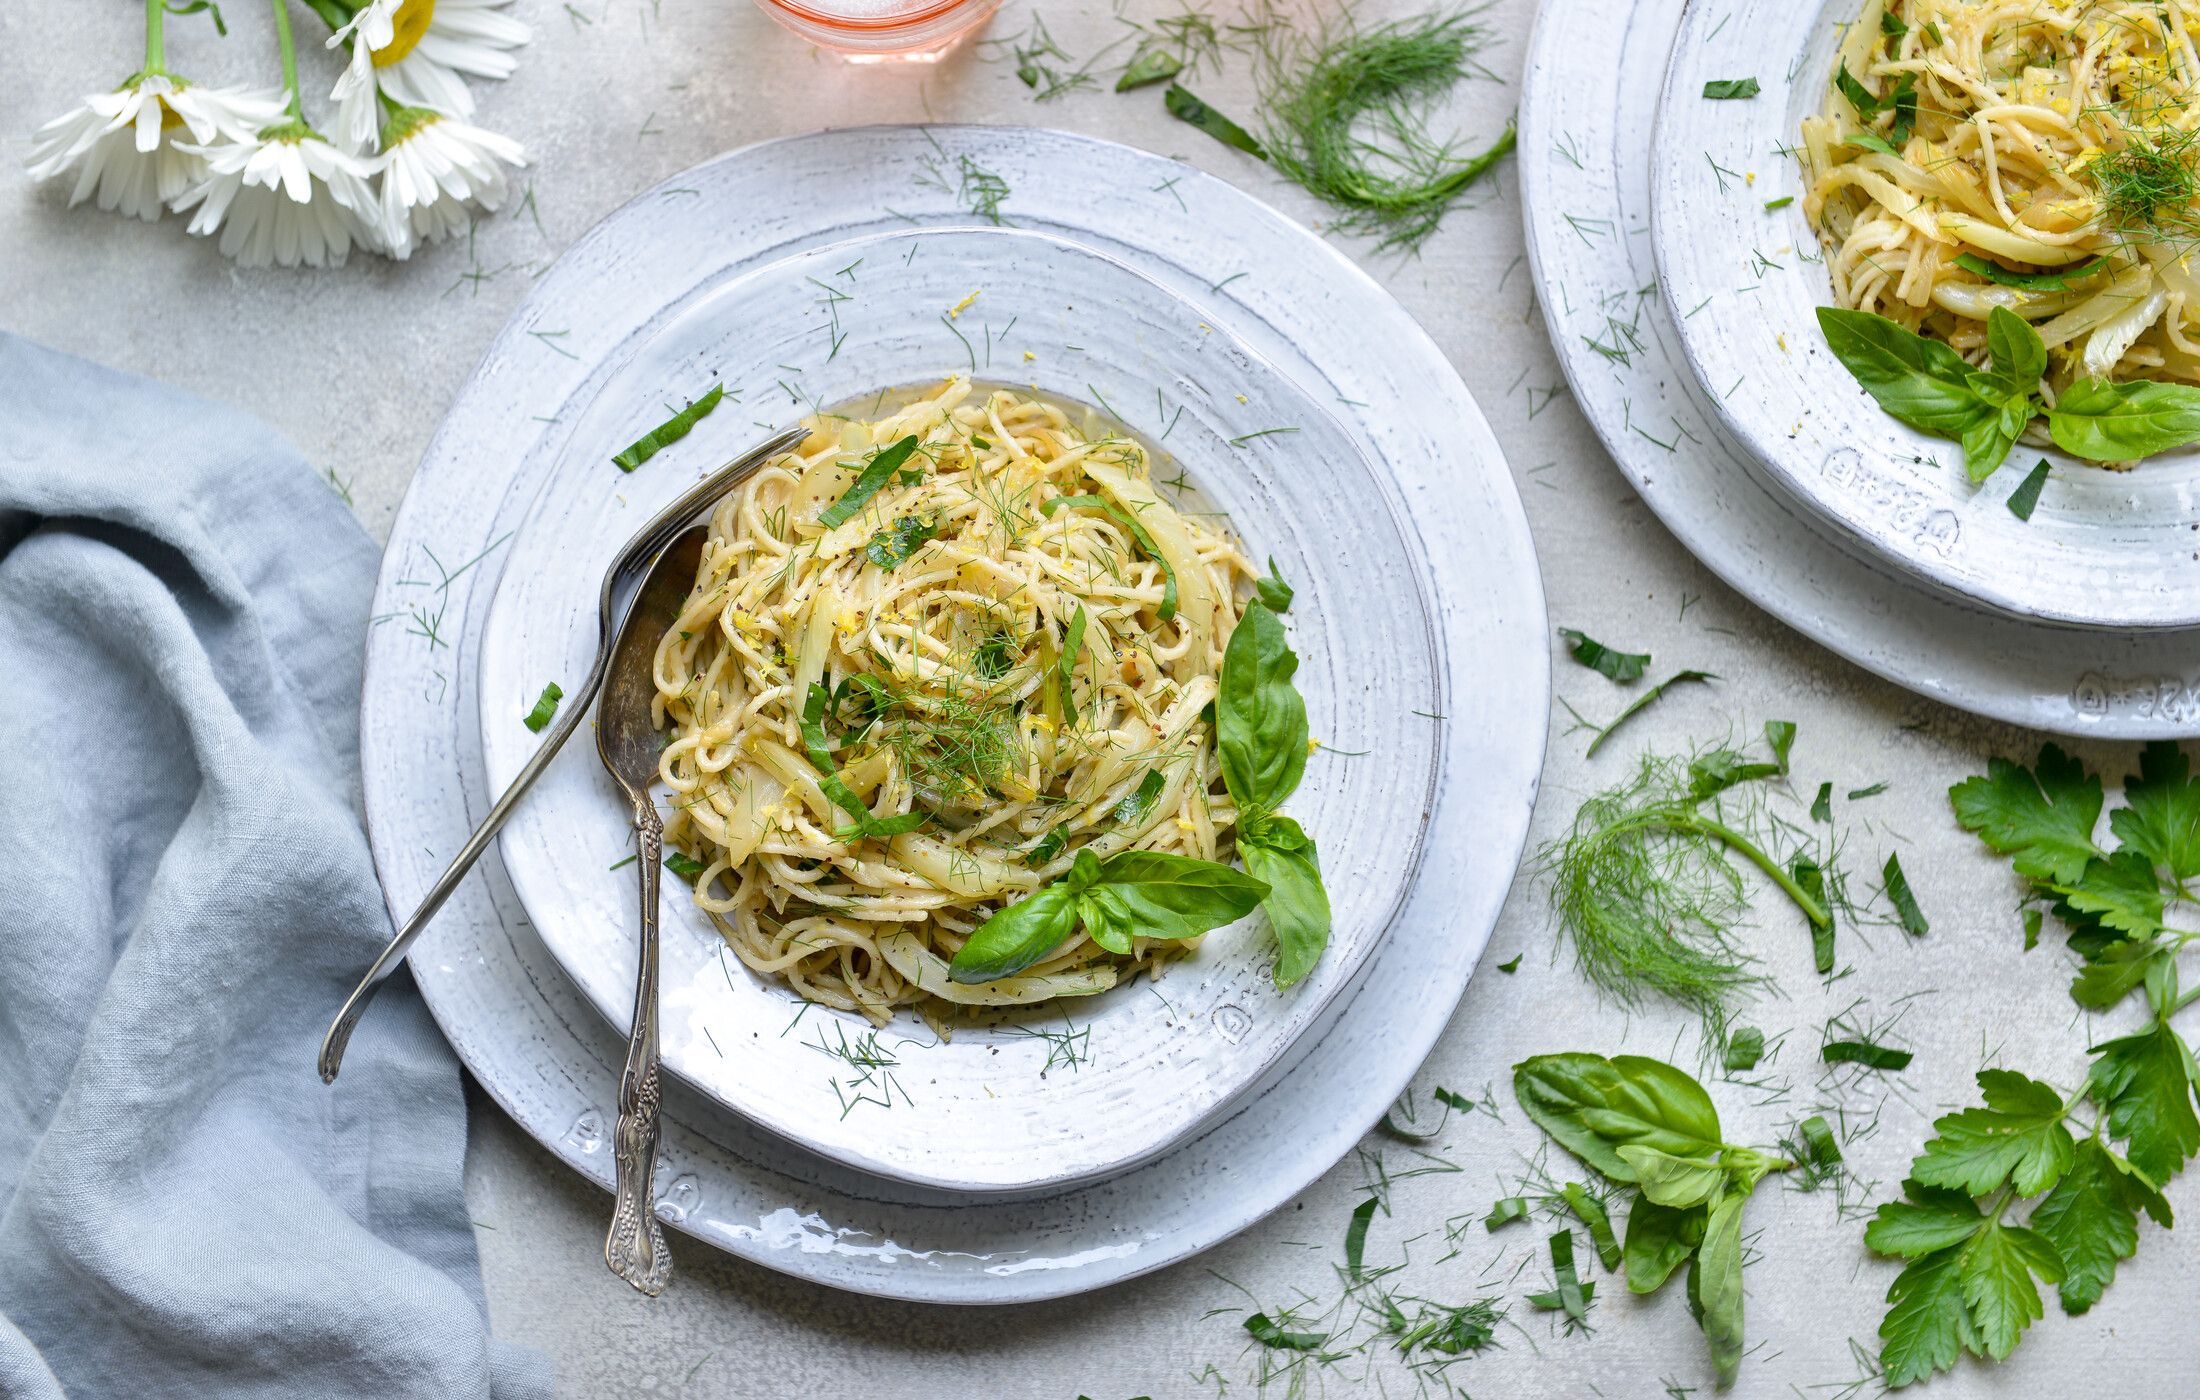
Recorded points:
(2090, 1161)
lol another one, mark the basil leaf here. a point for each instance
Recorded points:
(1871, 141)
(883, 464)
(1986, 443)
(2015, 350)
(668, 432)
(1743, 1050)
(1167, 610)
(1860, 97)
(2055, 281)
(1158, 895)
(1187, 108)
(1135, 806)
(1274, 594)
(1917, 379)
(1905, 903)
(1891, 25)
(1729, 89)
(685, 866)
(1047, 847)
(1718, 1281)
(1668, 1180)
(1593, 1106)
(2104, 422)
(1260, 718)
(1281, 855)
(1152, 66)
(1017, 936)
(1659, 1240)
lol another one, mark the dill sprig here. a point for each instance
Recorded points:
(1644, 886)
(2150, 183)
(1347, 116)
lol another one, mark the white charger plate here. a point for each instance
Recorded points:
(2102, 548)
(989, 1109)
(545, 1054)
(1595, 70)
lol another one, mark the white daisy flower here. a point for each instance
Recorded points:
(285, 196)
(416, 50)
(435, 171)
(124, 143)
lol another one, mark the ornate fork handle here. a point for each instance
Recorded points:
(635, 1248)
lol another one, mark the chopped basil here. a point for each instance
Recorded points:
(1608, 662)
(2026, 498)
(1152, 66)
(1864, 1052)
(1781, 203)
(882, 465)
(1904, 902)
(546, 707)
(670, 431)
(894, 544)
(684, 865)
(1730, 89)
(2032, 281)
(1744, 1048)
(1187, 108)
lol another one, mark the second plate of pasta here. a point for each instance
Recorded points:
(1007, 715)
(1966, 342)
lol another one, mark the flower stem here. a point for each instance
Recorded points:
(156, 41)
(290, 56)
(1812, 909)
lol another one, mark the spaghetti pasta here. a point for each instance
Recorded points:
(927, 660)
(2037, 155)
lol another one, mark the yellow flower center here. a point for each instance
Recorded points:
(409, 23)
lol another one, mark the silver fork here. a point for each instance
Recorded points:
(632, 560)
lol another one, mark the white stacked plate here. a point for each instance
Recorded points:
(1683, 311)
(988, 1169)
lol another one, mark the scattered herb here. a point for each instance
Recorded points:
(1506, 1211)
(1819, 1147)
(1645, 1125)
(1744, 1049)
(668, 432)
(882, 465)
(1904, 902)
(1187, 108)
(2026, 498)
(1730, 89)
(546, 707)
(1780, 738)
(1865, 1053)
(1149, 67)
(1647, 699)
(1274, 594)
(1047, 847)
(1781, 203)
(1821, 807)
(1512, 964)
(1858, 794)
(1612, 664)
(1268, 1334)
(1571, 1295)
(1065, 668)
(1591, 1213)
(893, 545)
(684, 865)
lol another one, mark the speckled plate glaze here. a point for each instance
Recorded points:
(2102, 549)
(1595, 68)
(990, 1109)
(542, 1050)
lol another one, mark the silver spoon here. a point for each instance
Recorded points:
(626, 739)
(642, 548)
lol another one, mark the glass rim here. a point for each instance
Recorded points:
(882, 24)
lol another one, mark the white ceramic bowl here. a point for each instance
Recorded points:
(997, 1110)
(2102, 549)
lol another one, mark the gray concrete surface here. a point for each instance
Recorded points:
(356, 366)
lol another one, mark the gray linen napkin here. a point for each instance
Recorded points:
(185, 898)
